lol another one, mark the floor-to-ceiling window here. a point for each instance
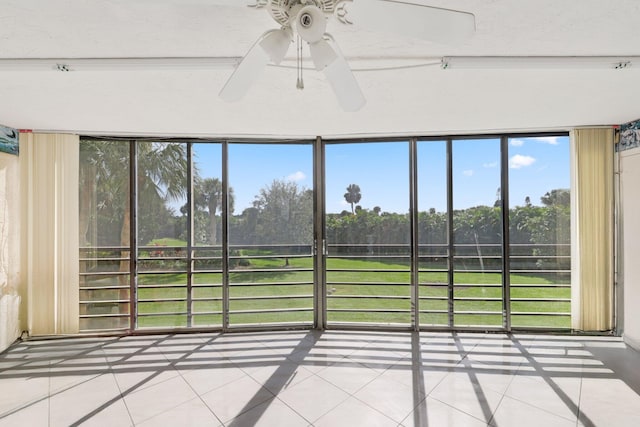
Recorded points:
(271, 268)
(477, 233)
(163, 291)
(540, 232)
(368, 234)
(417, 233)
(206, 214)
(434, 274)
(105, 269)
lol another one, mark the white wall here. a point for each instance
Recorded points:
(9, 249)
(630, 244)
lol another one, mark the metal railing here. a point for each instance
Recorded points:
(365, 284)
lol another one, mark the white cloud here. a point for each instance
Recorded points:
(297, 177)
(490, 165)
(519, 161)
(551, 140)
(468, 172)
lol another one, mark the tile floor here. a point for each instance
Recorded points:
(311, 378)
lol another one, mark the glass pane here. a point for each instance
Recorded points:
(162, 235)
(433, 233)
(103, 235)
(477, 227)
(206, 293)
(271, 234)
(540, 232)
(368, 233)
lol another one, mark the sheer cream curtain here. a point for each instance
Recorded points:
(49, 164)
(593, 229)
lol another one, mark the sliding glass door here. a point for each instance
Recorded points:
(449, 233)
(368, 234)
(271, 261)
(540, 232)
(434, 251)
(163, 289)
(477, 232)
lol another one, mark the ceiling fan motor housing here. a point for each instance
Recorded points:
(310, 23)
(282, 11)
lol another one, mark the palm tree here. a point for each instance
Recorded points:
(162, 171)
(208, 195)
(103, 169)
(353, 196)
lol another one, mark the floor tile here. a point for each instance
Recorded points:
(179, 349)
(192, 413)
(353, 412)
(273, 412)
(432, 412)
(495, 378)
(289, 342)
(558, 396)
(158, 398)
(277, 378)
(206, 357)
(376, 357)
(315, 359)
(254, 357)
(414, 374)
(313, 397)
(513, 412)
(348, 376)
(26, 388)
(205, 380)
(77, 371)
(343, 343)
(608, 402)
(133, 380)
(464, 392)
(390, 397)
(233, 399)
(93, 402)
(35, 413)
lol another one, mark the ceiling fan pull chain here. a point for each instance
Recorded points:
(300, 83)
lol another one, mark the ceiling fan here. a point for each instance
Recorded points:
(307, 20)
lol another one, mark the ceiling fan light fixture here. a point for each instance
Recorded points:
(276, 44)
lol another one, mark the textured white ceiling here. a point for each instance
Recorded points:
(422, 100)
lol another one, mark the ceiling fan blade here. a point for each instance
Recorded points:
(412, 20)
(234, 3)
(343, 82)
(201, 4)
(322, 54)
(249, 69)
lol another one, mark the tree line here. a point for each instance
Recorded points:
(282, 212)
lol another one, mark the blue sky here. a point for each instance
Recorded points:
(536, 165)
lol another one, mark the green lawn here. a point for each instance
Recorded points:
(284, 291)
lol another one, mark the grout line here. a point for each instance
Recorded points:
(115, 379)
(49, 396)
(579, 410)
